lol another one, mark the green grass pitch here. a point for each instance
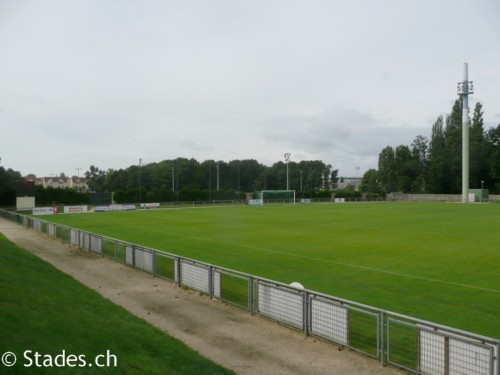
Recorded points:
(434, 261)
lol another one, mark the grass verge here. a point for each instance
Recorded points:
(48, 312)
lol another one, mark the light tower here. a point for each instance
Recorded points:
(465, 88)
(287, 160)
(78, 180)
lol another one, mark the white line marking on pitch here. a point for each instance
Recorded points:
(344, 264)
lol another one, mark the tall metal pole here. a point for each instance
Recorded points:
(173, 179)
(217, 166)
(357, 178)
(140, 182)
(209, 181)
(78, 178)
(464, 89)
(287, 159)
(239, 176)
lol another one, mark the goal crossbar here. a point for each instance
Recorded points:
(277, 196)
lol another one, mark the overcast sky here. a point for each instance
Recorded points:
(109, 82)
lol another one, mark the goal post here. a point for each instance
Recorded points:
(277, 196)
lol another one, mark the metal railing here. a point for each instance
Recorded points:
(416, 345)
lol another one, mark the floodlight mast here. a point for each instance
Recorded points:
(78, 178)
(287, 160)
(465, 88)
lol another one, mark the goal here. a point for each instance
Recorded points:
(277, 196)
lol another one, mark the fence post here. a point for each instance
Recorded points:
(381, 338)
(306, 312)
(210, 282)
(497, 355)
(446, 355)
(116, 251)
(251, 300)
(177, 265)
(153, 261)
(133, 256)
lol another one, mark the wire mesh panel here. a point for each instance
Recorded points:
(74, 237)
(63, 233)
(129, 251)
(216, 276)
(143, 258)
(37, 225)
(281, 304)
(96, 244)
(43, 227)
(84, 240)
(231, 288)
(51, 230)
(436, 352)
(329, 320)
(363, 331)
(472, 358)
(108, 248)
(59, 232)
(402, 345)
(165, 266)
(194, 276)
(121, 252)
(431, 354)
(444, 353)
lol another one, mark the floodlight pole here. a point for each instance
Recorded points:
(140, 181)
(173, 178)
(217, 167)
(209, 181)
(78, 180)
(287, 160)
(465, 88)
(357, 178)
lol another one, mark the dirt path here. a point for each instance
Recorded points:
(225, 334)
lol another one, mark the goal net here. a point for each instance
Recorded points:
(276, 196)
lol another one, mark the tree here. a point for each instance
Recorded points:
(370, 182)
(478, 165)
(334, 178)
(453, 149)
(387, 170)
(92, 176)
(420, 153)
(492, 182)
(437, 158)
(8, 186)
(404, 166)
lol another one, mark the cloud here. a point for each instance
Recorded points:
(93, 82)
(344, 138)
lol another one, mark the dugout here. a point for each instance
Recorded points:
(480, 195)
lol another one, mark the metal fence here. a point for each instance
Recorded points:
(418, 346)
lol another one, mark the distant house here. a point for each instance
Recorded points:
(77, 183)
(349, 183)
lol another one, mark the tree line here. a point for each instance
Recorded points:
(185, 179)
(435, 165)
(188, 179)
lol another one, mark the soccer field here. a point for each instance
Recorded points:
(433, 261)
